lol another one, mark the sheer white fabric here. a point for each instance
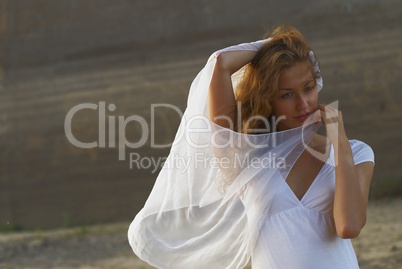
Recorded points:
(301, 234)
(189, 219)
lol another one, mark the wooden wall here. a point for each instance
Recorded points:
(55, 55)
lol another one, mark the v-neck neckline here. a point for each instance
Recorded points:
(300, 201)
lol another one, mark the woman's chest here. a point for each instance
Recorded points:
(318, 196)
(303, 174)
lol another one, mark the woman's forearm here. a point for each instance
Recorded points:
(349, 202)
(222, 102)
(352, 182)
(232, 61)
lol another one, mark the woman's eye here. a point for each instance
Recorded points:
(310, 88)
(287, 95)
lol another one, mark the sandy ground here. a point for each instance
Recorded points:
(105, 246)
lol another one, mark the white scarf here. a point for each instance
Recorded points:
(188, 220)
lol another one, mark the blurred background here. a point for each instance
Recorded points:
(126, 55)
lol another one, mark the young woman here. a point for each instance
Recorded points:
(299, 212)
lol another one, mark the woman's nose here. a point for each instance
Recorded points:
(302, 101)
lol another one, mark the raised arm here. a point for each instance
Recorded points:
(222, 103)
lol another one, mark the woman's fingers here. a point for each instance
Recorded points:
(328, 114)
(317, 116)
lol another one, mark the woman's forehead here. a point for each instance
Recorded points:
(295, 76)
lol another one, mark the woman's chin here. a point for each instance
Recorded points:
(285, 127)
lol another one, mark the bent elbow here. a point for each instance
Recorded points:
(350, 228)
(222, 62)
(348, 232)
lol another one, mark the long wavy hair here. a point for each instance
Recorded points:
(259, 85)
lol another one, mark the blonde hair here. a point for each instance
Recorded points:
(259, 85)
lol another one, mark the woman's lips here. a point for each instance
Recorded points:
(303, 117)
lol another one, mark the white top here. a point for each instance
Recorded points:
(300, 234)
(189, 222)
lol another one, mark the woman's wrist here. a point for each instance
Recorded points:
(251, 46)
(232, 61)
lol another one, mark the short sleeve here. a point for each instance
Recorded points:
(361, 152)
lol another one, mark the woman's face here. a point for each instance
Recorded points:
(297, 97)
